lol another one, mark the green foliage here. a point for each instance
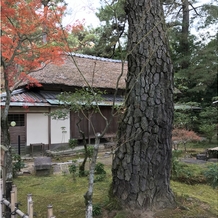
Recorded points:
(18, 164)
(185, 173)
(113, 18)
(99, 169)
(208, 118)
(186, 119)
(73, 143)
(73, 169)
(208, 130)
(83, 173)
(79, 101)
(209, 115)
(100, 178)
(96, 210)
(59, 114)
(211, 175)
(100, 173)
(90, 151)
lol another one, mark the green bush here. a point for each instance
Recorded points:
(208, 130)
(73, 143)
(90, 151)
(211, 175)
(99, 169)
(100, 178)
(18, 164)
(99, 172)
(73, 168)
(96, 210)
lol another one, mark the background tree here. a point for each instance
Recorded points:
(142, 162)
(111, 35)
(188, 49)
(191, 53)
(31, 37)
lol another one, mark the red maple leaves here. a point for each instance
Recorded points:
(32, 36)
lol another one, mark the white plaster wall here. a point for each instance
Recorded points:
(37, 128)
(56, 131)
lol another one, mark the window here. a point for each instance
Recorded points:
(18, 118)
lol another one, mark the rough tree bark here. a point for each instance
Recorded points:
(142, 163)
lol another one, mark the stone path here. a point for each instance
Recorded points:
(104, 156)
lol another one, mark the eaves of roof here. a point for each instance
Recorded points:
(25, 98)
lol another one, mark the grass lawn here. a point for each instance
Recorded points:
(66, 196)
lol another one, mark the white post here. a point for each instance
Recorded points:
(30, 209)
(50, 211)
(29, 199)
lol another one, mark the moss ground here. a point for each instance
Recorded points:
(66, 196)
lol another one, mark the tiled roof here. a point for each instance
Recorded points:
(25, 97)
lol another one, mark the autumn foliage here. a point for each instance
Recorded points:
(183, 135)
(31, 37)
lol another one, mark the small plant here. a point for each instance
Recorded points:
(73, 143)
(90, 150)
(100, 178)
(96, 211)
(73, 169)
(99, 169)
(179, 171)
(100, 172)
(18, 164)
(211, 175)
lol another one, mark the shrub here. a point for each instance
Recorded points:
(18, 164)
(90, 150)
(211, 175)
(184, 136)
(208, 130)
(99, 169)
(73, 169)
(100, 172)
(185, 173)
(96, 210)
(73, 143)
(100, 178)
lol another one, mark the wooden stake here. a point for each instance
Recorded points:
(50, 211)
(30, 209)
(12, 203)
(29, 199)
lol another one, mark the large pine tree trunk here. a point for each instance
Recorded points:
(142, 163)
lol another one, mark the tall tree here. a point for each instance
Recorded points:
(31, 37)
(112, 33)
(142, 162)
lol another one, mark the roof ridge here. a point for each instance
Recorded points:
(95, 57)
